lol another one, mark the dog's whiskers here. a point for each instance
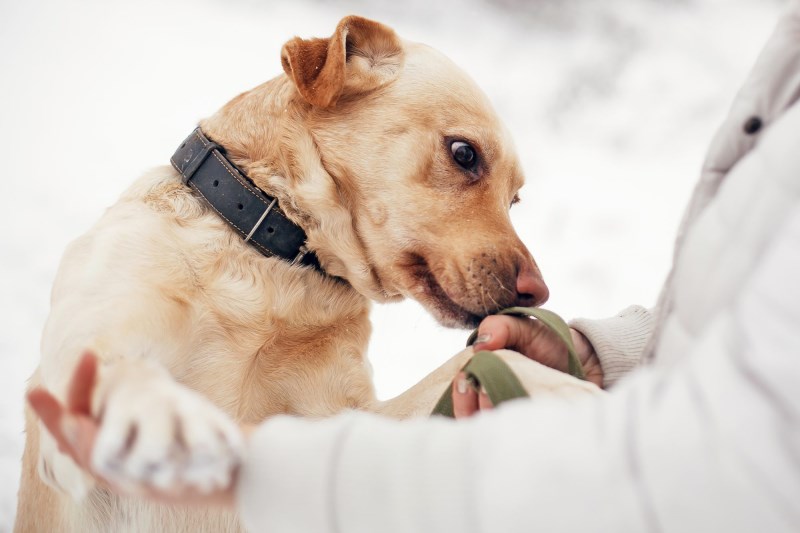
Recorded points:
(500, 283)
(496, 305)
(483, 301)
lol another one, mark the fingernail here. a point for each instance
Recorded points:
(461, 385)
(483, 337)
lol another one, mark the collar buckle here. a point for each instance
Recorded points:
(300, 255)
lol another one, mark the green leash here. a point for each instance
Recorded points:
(486, 370)
(555, 323)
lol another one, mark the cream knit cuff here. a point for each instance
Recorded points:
(618, 341)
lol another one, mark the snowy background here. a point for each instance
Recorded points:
(611, 104)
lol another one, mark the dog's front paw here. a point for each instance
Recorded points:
(158, 433)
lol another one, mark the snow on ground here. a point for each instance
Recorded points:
(611, 104)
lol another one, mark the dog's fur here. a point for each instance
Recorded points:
(354, 142)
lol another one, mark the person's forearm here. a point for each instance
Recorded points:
(699, 445)
(616, 463)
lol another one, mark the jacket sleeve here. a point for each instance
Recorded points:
(709, 443)
(619, 341)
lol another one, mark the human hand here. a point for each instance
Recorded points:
(75, 430)
(530, 338)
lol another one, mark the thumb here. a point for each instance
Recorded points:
(51, 413)
(500, 331)
(79, 397)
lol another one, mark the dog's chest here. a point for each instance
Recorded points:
(256, 335)
(268, 341)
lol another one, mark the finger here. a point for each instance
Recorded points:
(50, 412)
(74, 435)
(484, 403)
(501, 331)
(79, 397)
(465, 399)
(81, 431)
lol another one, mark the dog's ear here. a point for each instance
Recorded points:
(360, 56)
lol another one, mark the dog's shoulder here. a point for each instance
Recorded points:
(155, 230)
(162, 191)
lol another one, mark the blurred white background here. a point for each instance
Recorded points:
(611, 104)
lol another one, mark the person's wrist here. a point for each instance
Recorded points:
(588, 357)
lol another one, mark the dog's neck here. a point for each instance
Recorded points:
(265, 134)
(255, 216)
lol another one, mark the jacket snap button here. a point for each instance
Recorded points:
(752, 125)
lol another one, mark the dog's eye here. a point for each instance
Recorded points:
(514, 200)
(464, 155)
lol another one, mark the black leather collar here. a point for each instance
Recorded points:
(255, 215)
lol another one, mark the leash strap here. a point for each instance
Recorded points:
(488, 371)
(556, 324)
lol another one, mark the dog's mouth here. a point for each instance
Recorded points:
(430, 293)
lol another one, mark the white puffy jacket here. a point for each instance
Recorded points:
(704, 438)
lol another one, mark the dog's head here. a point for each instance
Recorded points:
(396, 165)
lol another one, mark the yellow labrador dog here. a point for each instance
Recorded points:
(378, 171)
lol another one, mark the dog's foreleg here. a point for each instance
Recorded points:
(420, 399)
(155, 432)
(537, 379)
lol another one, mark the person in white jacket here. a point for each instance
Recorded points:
(703, 436)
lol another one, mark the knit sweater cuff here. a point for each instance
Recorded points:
(618, 341)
